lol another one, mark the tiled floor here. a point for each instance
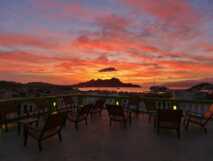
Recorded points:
(99, 142)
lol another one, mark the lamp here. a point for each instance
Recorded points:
(117, 103)
(174, 107)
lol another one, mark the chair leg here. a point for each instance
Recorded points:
(178, 133)
(6, 126)
(19, 128)
(86, 121)
(65, 123)
(150, 117)
(1, 127)
(187, 125)
(40, 145)
(37, 123)
(184, 121)
(59, 136)
(205, 130)
(155, 123)
(110, 123)
(158, 129)
(25, 137)
(124, 124)
(76, 125)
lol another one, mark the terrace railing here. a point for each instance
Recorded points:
(81, 99)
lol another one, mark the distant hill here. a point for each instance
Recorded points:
(113, 82)
(159, 88)
(187, 84)
(47, 85)
(201, 86)
(10, 84)
(10, 89)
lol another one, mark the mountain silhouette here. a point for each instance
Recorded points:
(113, 82)
(9, 89)
(201, 86)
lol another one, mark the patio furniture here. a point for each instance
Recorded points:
(97, 107)
(117, 113)
(68, 103)
(199, 119)
(1, 121)
(151, 109)
(51, 127)
(43, 105)
(8, 113)
(28, 113)
(169, 119)
(81, 114)
(134, 104)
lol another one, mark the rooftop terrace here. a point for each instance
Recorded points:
(99, 142)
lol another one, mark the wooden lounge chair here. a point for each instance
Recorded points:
(80, 115)
(68, 103)
(28, 113)
(134, 101)
(169, 119)
(8, 113)
(51, 127)
(199, 119)
(97, 107)
(117, 113)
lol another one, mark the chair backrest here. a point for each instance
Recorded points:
(84, 111)
(68, 100)
(134, 100)
(169, 115)
(150, 105)
(8, 107)
(114, 110)
(99, 104)
(54, 121)
(42, 104)
(27, 107)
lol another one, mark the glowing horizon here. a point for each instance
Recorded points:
(137, 41)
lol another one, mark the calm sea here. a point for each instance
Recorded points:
(115, 89)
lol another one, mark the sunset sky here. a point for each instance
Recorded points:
(137, 41)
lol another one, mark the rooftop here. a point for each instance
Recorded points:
(99, 142)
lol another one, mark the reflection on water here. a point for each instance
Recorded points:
(115, 89)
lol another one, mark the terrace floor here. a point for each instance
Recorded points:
(99, 142)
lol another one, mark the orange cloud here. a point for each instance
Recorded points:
(15, 39)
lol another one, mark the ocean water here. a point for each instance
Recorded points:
(116, 89)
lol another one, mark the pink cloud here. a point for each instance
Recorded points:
(68, 10)
(15, 39)
(173, 12)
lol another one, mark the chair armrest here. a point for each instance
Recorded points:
(194, 114)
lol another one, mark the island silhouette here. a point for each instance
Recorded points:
(113, 82)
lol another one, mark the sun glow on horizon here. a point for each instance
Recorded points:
(137, 41)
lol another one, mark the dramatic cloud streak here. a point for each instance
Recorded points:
(68, 42)
(109, 69)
